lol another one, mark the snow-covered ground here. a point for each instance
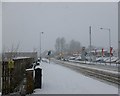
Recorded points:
(91, 67)
(95, 63)
(61, 80)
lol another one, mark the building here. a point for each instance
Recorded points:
(10, 55)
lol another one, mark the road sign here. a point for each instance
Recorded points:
(49, 53)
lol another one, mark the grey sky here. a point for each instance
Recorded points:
(60, 0)
(0, 27)
(23, 22)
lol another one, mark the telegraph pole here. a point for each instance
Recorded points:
(90, 41)
(40, 44)
(108, 29)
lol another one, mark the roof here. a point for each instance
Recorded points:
(20, 58)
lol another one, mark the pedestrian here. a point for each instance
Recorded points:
(49, 53)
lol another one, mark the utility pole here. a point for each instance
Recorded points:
(40, 45)
(108, 29)
(90, 41)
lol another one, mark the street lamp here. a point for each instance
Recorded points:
(109, 39)
(40, 44)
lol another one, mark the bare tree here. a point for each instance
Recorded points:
(63, 43)
(34, 49)
(57, 45)
(62, 47)
(74, 46)
(60, 44)
(12, 52)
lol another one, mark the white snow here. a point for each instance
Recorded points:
(31, 69)
(84, 66)
(61, 80)
(45, 60)
(38, 67)
(21, 57)
(88, 62)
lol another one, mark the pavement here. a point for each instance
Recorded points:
(61, 80)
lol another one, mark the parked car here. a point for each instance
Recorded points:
(71, 59)
(78, 58)
(113, 59)
(99, 59)
(118, 61)
(105, 59)
(45, 60)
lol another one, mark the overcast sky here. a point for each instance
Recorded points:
(23, 22)
(0, 27)
(60, 0)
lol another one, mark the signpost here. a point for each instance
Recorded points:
(11, 64)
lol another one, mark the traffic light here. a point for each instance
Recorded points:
(49, 52)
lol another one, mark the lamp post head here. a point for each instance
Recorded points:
(105, 29)
(41, 32)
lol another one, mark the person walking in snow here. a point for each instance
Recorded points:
(49, 53)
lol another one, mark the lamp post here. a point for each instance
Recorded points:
(40, 44)
(108, 29)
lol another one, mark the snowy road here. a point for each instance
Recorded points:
(61, 80)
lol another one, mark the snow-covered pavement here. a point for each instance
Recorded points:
(61, 80)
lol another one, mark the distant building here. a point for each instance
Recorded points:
(98, 53)
(10, 55)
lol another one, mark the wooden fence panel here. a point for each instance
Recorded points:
(12, 77)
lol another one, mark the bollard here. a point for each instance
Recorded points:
(38, 77)
(30, 81)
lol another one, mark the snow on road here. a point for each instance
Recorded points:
(61, 80)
